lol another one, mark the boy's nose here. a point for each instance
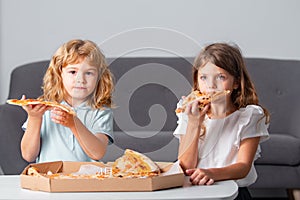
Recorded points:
(79, 79)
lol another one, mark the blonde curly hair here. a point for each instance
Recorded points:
(73, 52)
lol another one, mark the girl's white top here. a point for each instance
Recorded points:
(219, 147)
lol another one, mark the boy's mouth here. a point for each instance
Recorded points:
(79, 88)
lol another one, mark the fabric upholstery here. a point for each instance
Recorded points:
(27, 79)
(281, 150)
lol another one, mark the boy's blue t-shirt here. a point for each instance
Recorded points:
(59, 143)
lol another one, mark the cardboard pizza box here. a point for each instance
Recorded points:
(171, 176)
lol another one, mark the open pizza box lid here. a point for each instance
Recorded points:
(171, 176)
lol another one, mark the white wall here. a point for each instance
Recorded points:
(32, 30)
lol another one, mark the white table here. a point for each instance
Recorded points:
(10, 189)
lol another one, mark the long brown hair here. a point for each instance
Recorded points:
(229, 57)
(74, 52)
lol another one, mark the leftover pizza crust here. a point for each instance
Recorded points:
(134, 163)
(131, 165)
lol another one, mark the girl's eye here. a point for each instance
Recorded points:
(221, 77)
(203, 78)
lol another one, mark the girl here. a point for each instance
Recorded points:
(221, 141)
(77, 76)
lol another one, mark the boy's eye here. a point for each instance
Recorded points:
(89, 73)
(72, 72)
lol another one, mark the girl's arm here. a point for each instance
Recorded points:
(30, 143)
(93, 145)
(188, 147)
(238, 170)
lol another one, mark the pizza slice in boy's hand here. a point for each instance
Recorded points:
(203, 99)
(25, 102)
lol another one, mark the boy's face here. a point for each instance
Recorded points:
(79, 81)
(212, 78)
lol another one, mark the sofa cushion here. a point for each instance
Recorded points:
(27, 79)
(280, 149)
(11, 120)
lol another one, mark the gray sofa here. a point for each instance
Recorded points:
(146, 94)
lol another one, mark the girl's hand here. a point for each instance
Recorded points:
(200, 176)
(194, 113)
(62, 117)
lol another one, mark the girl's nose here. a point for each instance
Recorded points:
(210, 83)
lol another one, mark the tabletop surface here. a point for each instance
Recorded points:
(10, 189)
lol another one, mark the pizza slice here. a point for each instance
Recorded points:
(133, 164)
(33, 171)
(25, 102)
(66, 108)
(203, 99)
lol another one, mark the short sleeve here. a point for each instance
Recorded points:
(24, 126)
(104, 123)
(252, 123)
(181, 122)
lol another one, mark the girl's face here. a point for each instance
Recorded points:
(212, 78)
(79, 81)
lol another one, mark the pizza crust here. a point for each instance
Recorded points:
(25, 102)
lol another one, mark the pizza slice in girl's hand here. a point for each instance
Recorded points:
(133, 163)
(203, 99)
(25, 102)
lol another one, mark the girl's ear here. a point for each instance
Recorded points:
(236, 84)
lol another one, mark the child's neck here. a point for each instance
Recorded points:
(219, 111)
(74, 103)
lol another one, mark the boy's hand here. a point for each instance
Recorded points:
(35, 111)
(62, 117)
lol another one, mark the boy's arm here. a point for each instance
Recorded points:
(94, 145)
(30, 143)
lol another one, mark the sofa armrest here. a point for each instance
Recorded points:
(11, 120)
